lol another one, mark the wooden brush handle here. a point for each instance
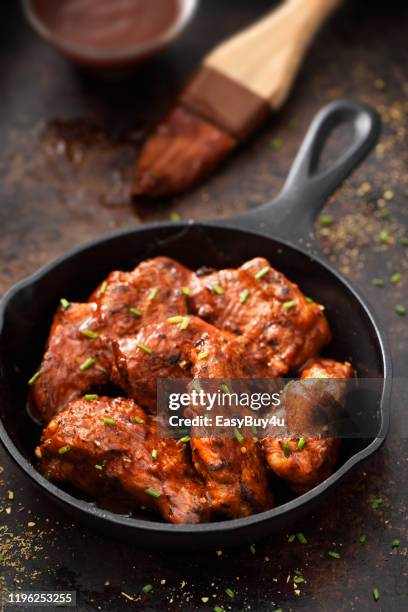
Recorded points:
(265, 57)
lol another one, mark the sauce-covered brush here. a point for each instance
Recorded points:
(239, 84)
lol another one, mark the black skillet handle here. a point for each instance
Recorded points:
(292, 213)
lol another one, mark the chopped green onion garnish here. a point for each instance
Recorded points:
(154, 454)
(34, 378)
(218, 609)
(326, 220)
(185, 323)
(376, 503)
(109, 421)
(378, 282)
(289, 305)
(64, 449)
(404, 241)
(144, 348)
(103, 288)
(98, 467)
(400, 310)
(176, 319)
(252, 549)
(147, 588)
(301, 443)
(244, 296)
(202, 355)
(263, 272)
(384, 236)
(309, 300)
(91, 396)
(278, 610)
(333, 554)
(291, 538)
(230, 593)
(153, 293)
(239, 436)
(185, 291)
(153, 492)
(175, 216)
(298, 579)
(286, 449)
(395, 543)
(225, 389)
(184, 440)
(217, 289)
(64, 303)
(135, 311)
(301, 538)
(363, 538)
(88, 363)
(88, 333)
(376, 594)
(196, 386)
(395, 278)
(138, 420)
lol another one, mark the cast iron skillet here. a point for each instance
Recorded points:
(282, 232)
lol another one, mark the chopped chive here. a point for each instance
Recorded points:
(239, 436)
(400, 310)
(404, 241)
(176, 319)
(88, 333)
(301, 538)
(334, 555)
(378, 282)
(103, 288)
(109, 421)
(135, 311)
(153, 293)
(218, 289)
(153, 492)
(362, 538)
(144, 348)
(154, 454)
(286, 449)
(384, 236)
(252, 549)
(202, 355)
(185, 323)
(138, 420)
(225, 389)
(147, 588)
(395, 279)
(64, 449)
(395, 543)
(376, 594)
(376, 503)
(64, 303)
(230, 593)
(175, 216)
(196, 386)
(276, 143)
(263, 272)
(218, 609)
(291, 538)
(254, 429)
(301, 443)
(298, 579)
(98, 467)
(185, 291)
(278, 610)
(34, 377)
(244, 296)
(88, 363)
(184, 440)
(326, 220)
(91, 396)
(289, 305)
(309, 300)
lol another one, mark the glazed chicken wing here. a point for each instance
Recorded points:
(282, 328)
(306, 461)
(109, 448)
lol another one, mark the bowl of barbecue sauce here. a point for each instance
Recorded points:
(109, 33)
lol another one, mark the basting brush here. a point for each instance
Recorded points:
(239, 84)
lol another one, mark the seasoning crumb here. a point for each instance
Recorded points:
(219, 553)
(30, 524)
(129, 597)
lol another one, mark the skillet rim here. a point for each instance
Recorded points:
(231, 525)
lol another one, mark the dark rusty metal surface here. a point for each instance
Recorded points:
(68, 142)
